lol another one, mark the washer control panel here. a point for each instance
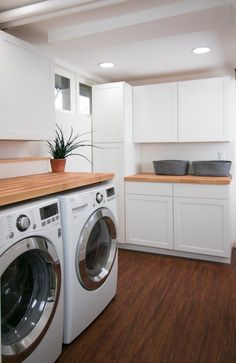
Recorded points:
(20, 221)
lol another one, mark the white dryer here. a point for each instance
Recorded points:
(31, 266)
(90, 255)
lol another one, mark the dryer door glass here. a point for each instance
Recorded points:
(96, 250)
(30, 285)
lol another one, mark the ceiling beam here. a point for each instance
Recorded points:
(135, 18)
(49, 9)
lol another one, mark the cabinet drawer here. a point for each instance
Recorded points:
(201, 191)
(147, 188)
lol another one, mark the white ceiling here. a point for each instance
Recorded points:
(143, 38)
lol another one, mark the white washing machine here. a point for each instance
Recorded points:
(90, 255)
(31, 267)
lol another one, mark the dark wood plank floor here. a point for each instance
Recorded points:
(167, 310)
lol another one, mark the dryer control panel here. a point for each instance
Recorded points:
(110, 193)
(104, 195)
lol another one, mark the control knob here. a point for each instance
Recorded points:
(99, 197)
(22, 222)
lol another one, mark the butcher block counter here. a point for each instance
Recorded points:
(190, 179)
(22, 188)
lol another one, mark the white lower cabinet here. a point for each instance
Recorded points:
(149, 214)
(200, 226)
(191, 220)
(149, 220)
(201, 219)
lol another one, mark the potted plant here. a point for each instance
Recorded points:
(60, 148)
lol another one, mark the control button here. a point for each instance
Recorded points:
(48, 221)
(43, 223)
(22, 223)
(99, 197)
(11, 234)
(53, 219)
(34, 226)
(57, 217)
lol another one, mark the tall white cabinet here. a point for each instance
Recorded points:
(112, 133)
(26, 92)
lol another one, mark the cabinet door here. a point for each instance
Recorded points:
(149, 221)
(108, 112)
(203, 110)
(26, 92)
(155, 113)
(201, 226)
(109, 158)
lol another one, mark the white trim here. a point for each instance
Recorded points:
(86, 77)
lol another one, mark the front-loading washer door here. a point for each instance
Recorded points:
(96, 249)
(30, 288)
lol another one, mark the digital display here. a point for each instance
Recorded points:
(110, 192)
(48, 211)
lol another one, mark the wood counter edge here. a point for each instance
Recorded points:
(11, 197)
(187, 179)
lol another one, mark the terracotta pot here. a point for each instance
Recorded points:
(58, 165)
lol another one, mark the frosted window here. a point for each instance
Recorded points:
(62, 93)
(85, 99)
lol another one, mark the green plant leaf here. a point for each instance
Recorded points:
(61, 147)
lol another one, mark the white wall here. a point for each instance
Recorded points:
(184, 151)
(21, 149)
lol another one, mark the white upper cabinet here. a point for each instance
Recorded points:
(203, 110)
(112, 112)
(26, 92)
(155, 113)
(187, 111)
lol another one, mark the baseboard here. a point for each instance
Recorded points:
(162, 251)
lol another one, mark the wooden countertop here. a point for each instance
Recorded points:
(22, 188)
(191, 179)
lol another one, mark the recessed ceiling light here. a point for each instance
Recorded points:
(201, 50)
(106, 65)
